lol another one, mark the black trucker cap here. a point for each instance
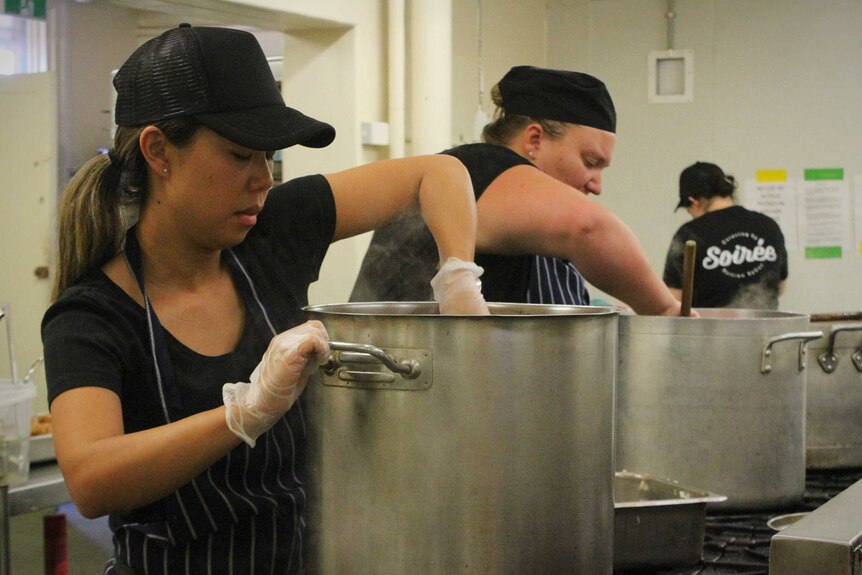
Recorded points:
(561, 95)
(218, 76)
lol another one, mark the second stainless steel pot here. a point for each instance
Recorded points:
(834, 406)
(716, 401)
(483, 446)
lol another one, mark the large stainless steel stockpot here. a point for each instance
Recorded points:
(834, 425)
(462, 444)
(716, 401)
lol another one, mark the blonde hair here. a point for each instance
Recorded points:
(103, 199)
(506, 126)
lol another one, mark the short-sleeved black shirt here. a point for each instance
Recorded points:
(96, 335)
(741, 259)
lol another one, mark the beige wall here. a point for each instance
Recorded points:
(513, 34)
(345, 11)
(84, 74)
(776, 85)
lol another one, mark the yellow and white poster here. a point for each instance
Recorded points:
(772, 193)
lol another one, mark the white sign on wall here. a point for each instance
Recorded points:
(771, 193)
(824, 213)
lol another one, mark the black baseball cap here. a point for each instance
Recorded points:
(699, 180)
(218, 76)
(561, 95)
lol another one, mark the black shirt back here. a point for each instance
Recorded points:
(740, 260)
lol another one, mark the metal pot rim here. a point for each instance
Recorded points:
(430, 309)
(716, 322)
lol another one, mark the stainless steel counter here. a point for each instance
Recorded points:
(44, 488)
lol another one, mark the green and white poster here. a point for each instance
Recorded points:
(824, 213)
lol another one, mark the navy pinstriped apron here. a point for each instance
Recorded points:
(243, 515)
(556, 281)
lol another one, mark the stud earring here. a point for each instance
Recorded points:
(165, 170)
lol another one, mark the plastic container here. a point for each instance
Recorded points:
(15, 403)
(16, 399)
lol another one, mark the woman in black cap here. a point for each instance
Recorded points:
(553, 135)
(741, 259)
(181, 272)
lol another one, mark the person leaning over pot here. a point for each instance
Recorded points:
(153, 324)
(553, 135)
(741, 260)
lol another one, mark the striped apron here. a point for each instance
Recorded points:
(556, 281)
(244, 514)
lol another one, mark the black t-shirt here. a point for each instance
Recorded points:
(402, 257)
(96, 335)
(740, 259)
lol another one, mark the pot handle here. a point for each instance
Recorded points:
(805, 336)
(828, 360)
(357, 364)
(408, 369)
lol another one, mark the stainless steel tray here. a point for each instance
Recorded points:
(42, 448)
(658, 521)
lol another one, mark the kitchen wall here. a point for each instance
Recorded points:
(776, 85)
(84, 74)
(512, 34)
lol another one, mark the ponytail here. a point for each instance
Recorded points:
(725, 187)
(92, 223)
(103, 200)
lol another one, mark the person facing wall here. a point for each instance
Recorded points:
(741, 259)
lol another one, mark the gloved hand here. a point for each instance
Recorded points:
(276, 382)
(458, 290)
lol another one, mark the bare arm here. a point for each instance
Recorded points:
(525, 211)
(368, 196)
(107, 471)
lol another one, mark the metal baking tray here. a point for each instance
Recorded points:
(658, 521)
(42, 448)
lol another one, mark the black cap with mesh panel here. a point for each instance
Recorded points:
(220, 77)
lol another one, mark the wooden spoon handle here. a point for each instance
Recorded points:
(688, 277)
(838, 316)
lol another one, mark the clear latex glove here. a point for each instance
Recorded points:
(276, 382)
(458, 290)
